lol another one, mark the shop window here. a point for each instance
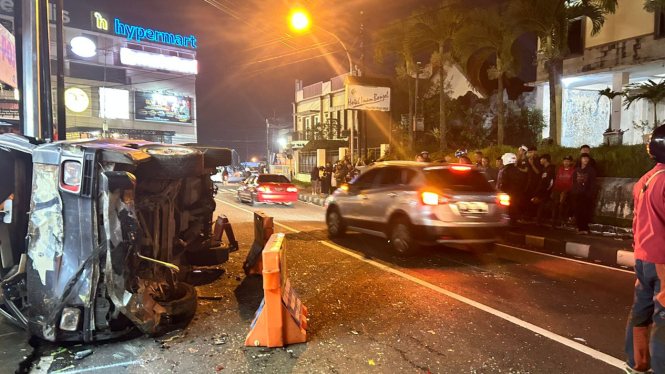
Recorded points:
(113, 103)
(660, 24)
(576, 36)
(97, 73)
(136, 47)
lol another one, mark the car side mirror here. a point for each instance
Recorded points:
(8, 212)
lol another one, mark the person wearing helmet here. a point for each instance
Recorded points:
(510, 183)
(646, 325)
(461, 152)
(425, 156)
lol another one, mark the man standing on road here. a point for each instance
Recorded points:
(478, 158)
(511, 184)
(592, 162)
(326, 179)
(534, 172)
(544, 189)
(645, 336)
(584, 182)
(490, 173)
(340, 174)
(561, 192)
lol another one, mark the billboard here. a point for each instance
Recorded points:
(367, 98)
(153, 106)
(7, 58)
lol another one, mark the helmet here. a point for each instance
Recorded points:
(461, 152)
(656, 145)
(509, 158)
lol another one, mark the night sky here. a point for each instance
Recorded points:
(249, 59)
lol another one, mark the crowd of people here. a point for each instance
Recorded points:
(326, 179)
(544, 190)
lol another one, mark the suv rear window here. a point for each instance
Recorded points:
(461, 181)
(273, 179)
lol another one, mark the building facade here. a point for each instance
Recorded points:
(319, 113)
(630, 48)
(122, 80)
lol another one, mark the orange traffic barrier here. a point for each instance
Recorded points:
(223, 226)
(281, 318)
(263, 229)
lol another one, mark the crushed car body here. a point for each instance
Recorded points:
(98, 233)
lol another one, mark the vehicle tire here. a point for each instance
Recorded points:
(240, 199)
(214, 157)
(252, 201)
(401, 237)
(182, 307)
(209, 257)
(172, 162)
(335, 223)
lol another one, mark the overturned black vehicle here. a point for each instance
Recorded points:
(96, 235)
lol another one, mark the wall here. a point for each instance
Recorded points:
(629, 21)
(615, 198)
(585, 118)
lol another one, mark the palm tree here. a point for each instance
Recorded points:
(654, 5)
(650, 91)
(487, 33)
(438, 26)
(610, 94)
(398, 40)
(549, 20)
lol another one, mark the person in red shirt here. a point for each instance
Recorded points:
(561, 192)
(645, 336)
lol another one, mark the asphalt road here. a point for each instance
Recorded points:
(444, 311)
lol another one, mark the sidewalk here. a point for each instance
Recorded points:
(598, 248)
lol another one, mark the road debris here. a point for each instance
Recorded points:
(219, 368)
(193, 350)
(371, 362)
(80, 355)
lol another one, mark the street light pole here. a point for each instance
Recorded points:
(267, 142)
(415, 108)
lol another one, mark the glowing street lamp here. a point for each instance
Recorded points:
(253, 159)
(299, 20)
(282, 142)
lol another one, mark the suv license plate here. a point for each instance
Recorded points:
(472, 208)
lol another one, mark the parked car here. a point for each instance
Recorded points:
(413, 204)
(268, 188)
(100, 232)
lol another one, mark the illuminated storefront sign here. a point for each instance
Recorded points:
(101, 22)
(113, 103)
(83, 46)
(157, 61)
(153, 106)
(7, 58)
(138, 33)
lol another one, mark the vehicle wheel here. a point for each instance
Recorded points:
(401, 237)
(481, 248)
(252, 201)
(172, 162)
(182, 307)
(209, 257)
(214, 157)
(335, 222)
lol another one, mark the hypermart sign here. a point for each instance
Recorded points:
(367, 98)
(103, 23)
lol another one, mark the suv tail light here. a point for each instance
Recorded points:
(504, 199)
(431, 198)
(71, 176)
(291, 189)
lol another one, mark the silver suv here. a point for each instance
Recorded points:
(413, 204)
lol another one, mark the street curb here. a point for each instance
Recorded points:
(596, 253)
(312, 199)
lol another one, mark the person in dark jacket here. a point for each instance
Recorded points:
(534, 173)
(511, 184)
(340, 174)
(326, 179)
(592, 162)
(584, 183)
(490, 173)
(316, 180)
(543, 194)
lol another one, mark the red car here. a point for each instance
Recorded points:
(268, 188)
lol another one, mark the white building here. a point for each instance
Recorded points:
(629, 49)
(122, 79)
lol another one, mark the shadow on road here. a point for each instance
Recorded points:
(249, 294)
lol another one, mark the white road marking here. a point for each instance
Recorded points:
(566, 258)
(251, 212)
(529, 326)
(538, 330)
(96, 368)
